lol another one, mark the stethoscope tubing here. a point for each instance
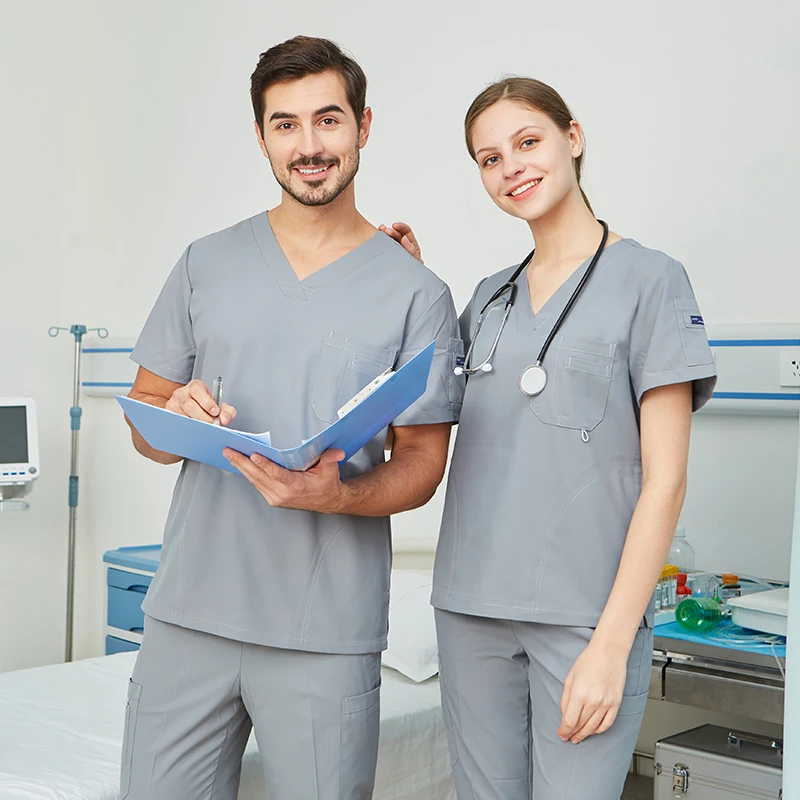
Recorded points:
(511, 286)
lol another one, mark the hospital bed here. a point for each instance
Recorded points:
(61, 735)
(61, 725)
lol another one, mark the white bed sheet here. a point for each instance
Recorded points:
(61, 735)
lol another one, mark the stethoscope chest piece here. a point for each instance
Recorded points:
(533, 380)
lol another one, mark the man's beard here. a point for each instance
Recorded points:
(312, 196)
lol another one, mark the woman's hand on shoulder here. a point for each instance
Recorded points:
(402, 233)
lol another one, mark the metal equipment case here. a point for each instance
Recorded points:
(714, 763)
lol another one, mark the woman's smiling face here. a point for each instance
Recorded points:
(526, 162)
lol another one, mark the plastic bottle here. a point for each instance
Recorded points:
(730, 587)
(666, 597)
(665, 592)
(703, 584)
(698, 614)
(657, 592)
(681, 553)
(673, 585)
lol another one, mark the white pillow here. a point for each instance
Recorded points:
(412, 648)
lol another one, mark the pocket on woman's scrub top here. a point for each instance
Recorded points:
(346, 365)
(579, 380)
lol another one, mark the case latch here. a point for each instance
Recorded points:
(680, 780)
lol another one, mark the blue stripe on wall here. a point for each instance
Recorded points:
(754, 342)
(754, 396)
(99, 383)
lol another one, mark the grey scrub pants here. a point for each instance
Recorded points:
(191, 701)
(501, 684)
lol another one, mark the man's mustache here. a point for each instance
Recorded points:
(313, 162)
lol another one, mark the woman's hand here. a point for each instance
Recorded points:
(403, 234)
(592, 692)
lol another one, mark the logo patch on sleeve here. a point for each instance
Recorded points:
(693, 320)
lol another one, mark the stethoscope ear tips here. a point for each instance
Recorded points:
(486, 367)
(458, 371)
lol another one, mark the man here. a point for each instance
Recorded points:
(273, 614)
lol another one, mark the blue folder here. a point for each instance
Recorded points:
(201, 441)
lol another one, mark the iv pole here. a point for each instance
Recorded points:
(78, 332)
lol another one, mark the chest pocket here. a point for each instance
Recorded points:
(579, 380)
(346, 365)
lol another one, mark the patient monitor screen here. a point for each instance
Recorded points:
(13, 435)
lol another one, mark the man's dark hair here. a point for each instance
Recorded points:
(302, 56)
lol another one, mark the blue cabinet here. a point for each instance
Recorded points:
(129, 574)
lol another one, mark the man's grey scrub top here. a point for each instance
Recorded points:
(290, 353)
(541, 489)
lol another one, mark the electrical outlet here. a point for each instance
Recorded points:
(790, 367)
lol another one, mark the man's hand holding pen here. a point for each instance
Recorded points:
(196, 401)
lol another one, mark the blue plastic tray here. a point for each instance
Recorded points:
(674, 631)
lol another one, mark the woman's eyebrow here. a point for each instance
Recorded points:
(513, 136)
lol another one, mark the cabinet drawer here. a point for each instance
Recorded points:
(114, 645)
(125, 609)
(130, 581)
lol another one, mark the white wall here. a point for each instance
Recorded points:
(127, 132)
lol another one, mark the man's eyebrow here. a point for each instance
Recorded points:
(513, 136)
(328, 109)
(318, 113)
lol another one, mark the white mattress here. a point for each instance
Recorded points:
(61, 735)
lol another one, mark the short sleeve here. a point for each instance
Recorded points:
(668, 337)
(445, 391)
(166, 345)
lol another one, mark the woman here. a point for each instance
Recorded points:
(567, 477)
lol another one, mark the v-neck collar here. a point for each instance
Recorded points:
(286, 278)
(559, 298)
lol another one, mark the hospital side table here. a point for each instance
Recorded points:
(713, 677)
(129, 572)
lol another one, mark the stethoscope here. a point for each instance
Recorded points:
(533, 378)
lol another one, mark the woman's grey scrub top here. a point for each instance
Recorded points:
(542, 489)
(290, 353)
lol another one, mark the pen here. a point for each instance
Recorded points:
(216, 393)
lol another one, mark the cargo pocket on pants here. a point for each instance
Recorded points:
(131, 712)
(358, 754)
(637, 684)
